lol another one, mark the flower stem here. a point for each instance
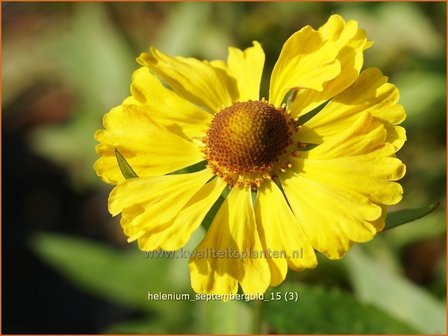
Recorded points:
(256, 320)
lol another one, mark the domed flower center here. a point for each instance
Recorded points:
(247, 140)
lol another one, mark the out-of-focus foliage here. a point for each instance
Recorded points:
(329, 311)
(86, 57)
(405, 216)
(65, 64)
(395, 295)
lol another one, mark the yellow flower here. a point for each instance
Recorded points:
(295, 185)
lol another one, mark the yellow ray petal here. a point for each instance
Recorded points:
(247, 67)
(306, 61)
(281, 234)
(233, 238)
(362, 136)
(380, 223)
(368, 175)
(331, 218)
(166, 107)
(344, 33)
(341, 186)
(173, 235)
(148, 148)
(127, 216)
(358, 160)
(396, 135)
(197, 81)
(370, 93)
(162, 197)
(351, 43)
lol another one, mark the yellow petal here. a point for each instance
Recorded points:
(338, 189)
(247, 67)
(368, 175)
(357, 160)
(351, 43)
(225, 257)
(332, 218)
(362, 136)
(149, 149)
(162, 197)
(396, 135)
(370, 93)
(166, 107)
(127, 216)
(197, 81)
(131, 100)
(281, 234)
(306, 61)
(174, 234)
(380, 223)
(344, 33)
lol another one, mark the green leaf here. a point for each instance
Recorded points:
(122, 276)
(400, 217)
(181, 35)
(326, 311)
(429, 227)
(395, 295)
(81, 51)
(143, 326)
(125, 168)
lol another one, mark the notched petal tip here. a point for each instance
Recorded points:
(142, 59)
(400, 172)
(307, 60)
(256, 44)
(150, 58)
(113, 203)
(98, 136)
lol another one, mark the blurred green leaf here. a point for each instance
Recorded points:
(398, 30)
(125, 168)
(207, 318)
(419, 100)
(216, 317)
(96, 63)
(320, 310)
(95, 57)
(428, 227)
(438, 287)
(142, 326)
(120, 276)
(395, 295)
(412, 29)
(400, 217)
(188, 30)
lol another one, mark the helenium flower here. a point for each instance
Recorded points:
(293, 185)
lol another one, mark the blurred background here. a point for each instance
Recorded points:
(66, 265)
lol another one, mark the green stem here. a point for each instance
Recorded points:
(256, 321)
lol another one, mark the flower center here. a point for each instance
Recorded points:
(247, 141)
